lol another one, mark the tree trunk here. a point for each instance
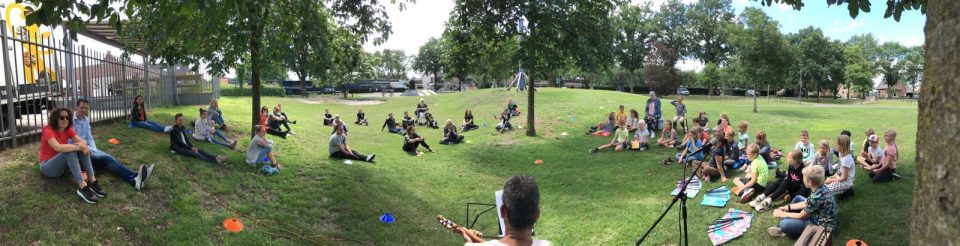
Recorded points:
(255, 77)
(303, 83)
(531, 130)
(936, 195)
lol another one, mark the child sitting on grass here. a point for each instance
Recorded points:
(791, 185)
(805, 146)
(872, 153)
(641, 135)
(820, 209)
(770, 155)
(887, 168)
(823, 158)
(692, 143)
(620, 141)
(605, 127)
(842, 181)
(755, 180)
(668, 138)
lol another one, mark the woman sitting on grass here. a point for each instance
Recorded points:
(504, 125)
(786, 187)
(327, 117)
(668, 138)
(340, 149)
(450, 135)
(57, 155)
(756, 178)
(411, 140)
(205, 129)
(605, 127)
(261, 147)
(620, 141)
(406, 121)
(430, 121)
(468, 121)
(391, 125)
(361, 118)
(887, 168)
(820, 209)
(180, 144)
(138, 117)
(265, 118)
(842, 182)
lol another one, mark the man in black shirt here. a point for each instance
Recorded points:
(391, 125)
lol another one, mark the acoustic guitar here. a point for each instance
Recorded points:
(474, 235)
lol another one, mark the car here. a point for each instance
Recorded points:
(327, 90)
(751, 93)
(682, 91)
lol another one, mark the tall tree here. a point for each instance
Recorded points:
(710, 77)
(553, 33)
(913, 67)
(891, 64)
(813, 59)
(428, 59)
(392, 64)
(859, 72)
(763, 55)
(708, 19)
(673, 28)
(307, 53)
(635, 28)
(659, 71)
(836, 73)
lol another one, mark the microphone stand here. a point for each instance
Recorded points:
(682, 197)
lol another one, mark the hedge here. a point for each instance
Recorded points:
(247, 91)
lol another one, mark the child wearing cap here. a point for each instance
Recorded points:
(873, 153)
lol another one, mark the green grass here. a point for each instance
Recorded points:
(601, 199)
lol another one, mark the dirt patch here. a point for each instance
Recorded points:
(351, 102)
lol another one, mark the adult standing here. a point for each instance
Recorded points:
(653, 114)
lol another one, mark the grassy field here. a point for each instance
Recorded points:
(601, 199)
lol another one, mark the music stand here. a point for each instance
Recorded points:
(682, 197)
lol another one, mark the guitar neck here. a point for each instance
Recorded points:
(474, 235)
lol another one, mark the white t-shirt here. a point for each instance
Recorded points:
(876, 153)
(848, 163)
(498, 243)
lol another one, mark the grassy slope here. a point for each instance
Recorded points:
(606, 198)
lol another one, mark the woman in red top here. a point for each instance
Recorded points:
(57, 155)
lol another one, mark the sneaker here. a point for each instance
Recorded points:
(293, 122)
(233, 145)
(138, 180)
(222, 160)
(167, 129)
(149, 173)
(370, 157)
(756, 201)
(897, 176)
(87, 195)
(775, 232)
(765, 205)
(292, 133)
(653, 135)
(745, 196)
(591, 151)
(97, 190)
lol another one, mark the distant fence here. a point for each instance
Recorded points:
(40, 73)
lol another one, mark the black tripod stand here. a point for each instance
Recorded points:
(682, 197)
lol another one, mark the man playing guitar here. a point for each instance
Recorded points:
(520, 210)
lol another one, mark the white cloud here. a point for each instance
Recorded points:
(850, 25)
(690, 65)
(784, 7)
(413, 26)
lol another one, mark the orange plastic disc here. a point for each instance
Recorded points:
(853, 242)
(233, 225)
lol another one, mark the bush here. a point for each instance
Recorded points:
(274, 91)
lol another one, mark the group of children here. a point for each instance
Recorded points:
(715, 152)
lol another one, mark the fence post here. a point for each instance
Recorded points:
(11, 119)
(71, 79)
(84, 80)
(146, 81)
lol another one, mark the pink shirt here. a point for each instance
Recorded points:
(891, 155)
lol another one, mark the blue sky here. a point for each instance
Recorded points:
(836, 23)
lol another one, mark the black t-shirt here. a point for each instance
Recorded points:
(392, 123)
(468, 118)
(407, 121)
(702, 121)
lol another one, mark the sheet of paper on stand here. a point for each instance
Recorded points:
(732, 225)
(716, 197)
(692, 190)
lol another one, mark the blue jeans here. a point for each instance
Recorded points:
(218, 119)
(149, 125)
(263, 154)
(101, 160)
(794, 227)
(225, 142)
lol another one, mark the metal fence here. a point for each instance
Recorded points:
(41, 72)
